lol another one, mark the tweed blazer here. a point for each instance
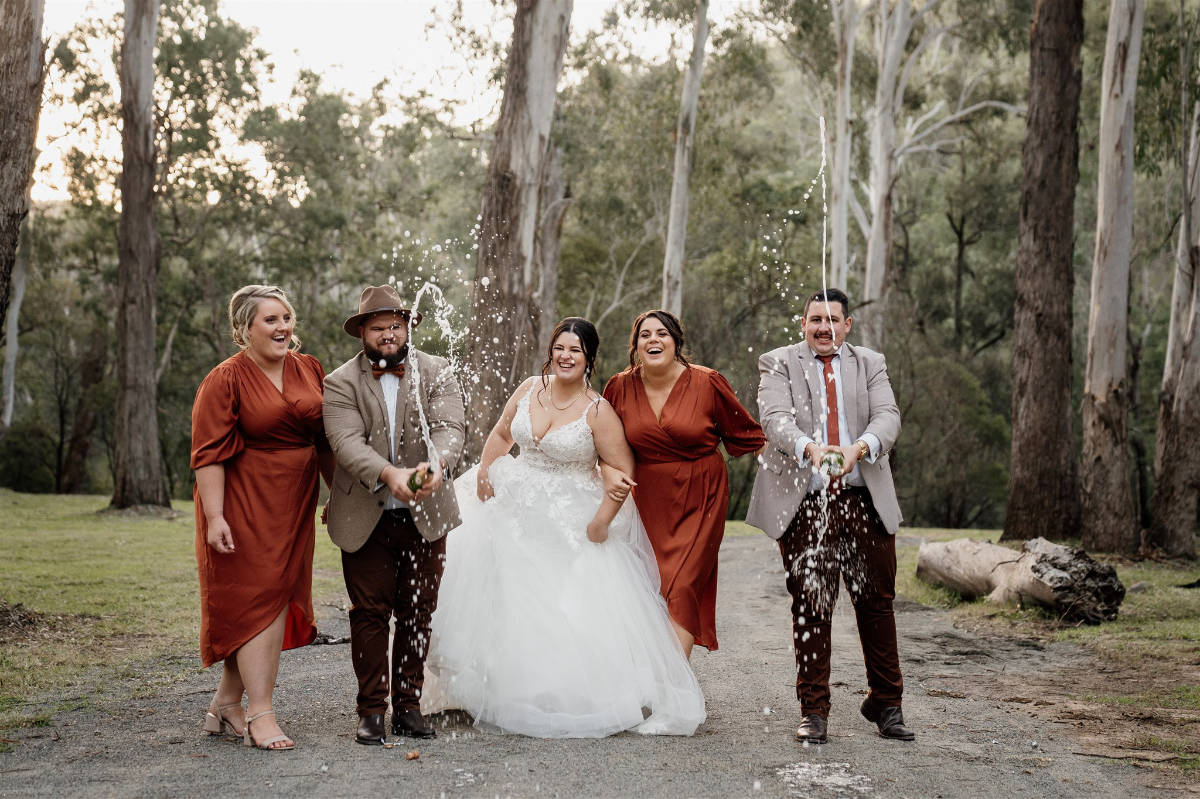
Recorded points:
(791, 393)
(357, 427)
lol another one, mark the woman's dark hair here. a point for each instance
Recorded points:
(670, 322)
(588, 338)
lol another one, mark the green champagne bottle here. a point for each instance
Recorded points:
(417, 479)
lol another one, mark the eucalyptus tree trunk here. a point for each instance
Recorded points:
(12, 342)
(552, 209)
(893, 25)
(846, 15)
(1108, 518)
(1176, 463)
(672, 292)
(502, 300)
(22, 73)
(138, 474)
(1043, 497)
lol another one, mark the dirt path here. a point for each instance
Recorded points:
(988, 722)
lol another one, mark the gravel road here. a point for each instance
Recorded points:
(152, 745)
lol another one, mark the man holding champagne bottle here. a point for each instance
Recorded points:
(390, 506)
(824, 490)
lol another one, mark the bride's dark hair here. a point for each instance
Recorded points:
(588, 338)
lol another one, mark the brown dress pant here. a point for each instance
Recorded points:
(396, 573)
(851, 543)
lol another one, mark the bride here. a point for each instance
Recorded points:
(549, 620)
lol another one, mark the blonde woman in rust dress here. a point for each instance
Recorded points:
(675, 415)
(258, 445)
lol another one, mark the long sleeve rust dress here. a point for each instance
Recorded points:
(682, 488)
(268, 443)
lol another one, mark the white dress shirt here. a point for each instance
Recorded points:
(870, 439)
(389, 384)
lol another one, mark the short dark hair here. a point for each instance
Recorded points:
(830, 295)
(674, 328)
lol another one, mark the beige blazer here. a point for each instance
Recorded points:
(357, 426)
(790, 404)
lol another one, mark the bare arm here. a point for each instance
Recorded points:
(613, 449)
(499, 442)
(210, 484)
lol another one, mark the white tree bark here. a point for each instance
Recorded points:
(893, 26)
(672, 291)
(11, 341)
(1181, 287)
(1176, 462)
(1107, 506)
(506, 271)
(895, 21)
(22, 74)
(846, 16)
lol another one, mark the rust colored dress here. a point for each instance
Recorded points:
(682, 488)
(267, 441)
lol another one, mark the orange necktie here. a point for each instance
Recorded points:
(831, 422)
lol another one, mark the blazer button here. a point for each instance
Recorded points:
(380, 503)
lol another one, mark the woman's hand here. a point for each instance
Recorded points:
(616, 483)
(483, 486)
(597, 531)
(220, 537)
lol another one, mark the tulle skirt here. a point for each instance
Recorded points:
(541, 632)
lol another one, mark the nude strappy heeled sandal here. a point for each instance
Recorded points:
(248, 737)
(217, 724)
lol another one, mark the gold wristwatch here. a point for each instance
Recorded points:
(863, 450)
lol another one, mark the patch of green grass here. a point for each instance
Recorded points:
(6, 746)
(908, 543)
(1155, 628)
(114, 592)
(740, 529)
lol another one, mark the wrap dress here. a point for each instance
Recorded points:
(682, 488)
(268, 443)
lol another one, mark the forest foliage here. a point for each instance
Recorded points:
(327, 192)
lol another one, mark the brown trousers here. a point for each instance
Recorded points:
(851, 543)
(396, 573)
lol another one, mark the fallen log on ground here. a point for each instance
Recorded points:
(1065, 580)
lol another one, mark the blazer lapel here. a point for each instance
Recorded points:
(850, 394)
(814, 388)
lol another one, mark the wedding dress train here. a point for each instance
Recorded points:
(542, 632)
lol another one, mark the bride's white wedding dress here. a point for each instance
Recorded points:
(538, 630)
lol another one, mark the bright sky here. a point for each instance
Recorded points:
(352, 44)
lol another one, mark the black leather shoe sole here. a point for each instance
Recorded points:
(404, 733)
(813, 730)
(370, 730)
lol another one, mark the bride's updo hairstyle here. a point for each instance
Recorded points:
(589, 339)
(674, 328)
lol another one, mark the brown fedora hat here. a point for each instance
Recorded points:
(377, 299)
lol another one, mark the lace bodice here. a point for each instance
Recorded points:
(566, 448)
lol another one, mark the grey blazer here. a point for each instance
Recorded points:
(356, 425)
(790, 402)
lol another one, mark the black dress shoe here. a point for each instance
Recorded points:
(812, 730)
(889, 720)
(411, 724)
(370, 730)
